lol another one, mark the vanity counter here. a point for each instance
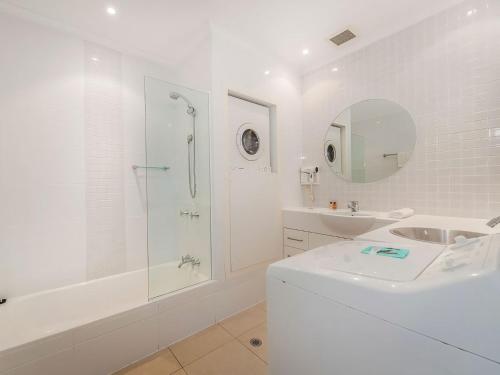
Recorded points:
(312, 220)
(428, 221)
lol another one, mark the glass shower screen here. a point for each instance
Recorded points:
(178, 186)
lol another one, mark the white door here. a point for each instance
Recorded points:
(255, 206)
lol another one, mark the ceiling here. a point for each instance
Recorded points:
(165, 29)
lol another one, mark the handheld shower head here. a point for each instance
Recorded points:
(191, 141)
(191, 110)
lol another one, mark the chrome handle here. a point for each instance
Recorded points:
(194, 214)
(295, 239)
(184, 212)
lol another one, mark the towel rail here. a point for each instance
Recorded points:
(163, 168)
(387, 155)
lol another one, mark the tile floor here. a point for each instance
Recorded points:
(223, 349)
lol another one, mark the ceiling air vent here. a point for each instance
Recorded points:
(343, 37)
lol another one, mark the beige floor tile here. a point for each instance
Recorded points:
(180, 372)
(259, 332)
(231, 359)
(244, 321)
(202, 343)
(262, 305)
(162, 363)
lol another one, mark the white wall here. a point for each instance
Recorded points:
(72, 208)
(445, 72)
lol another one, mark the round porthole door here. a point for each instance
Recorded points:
(330, 153)
(248, 142)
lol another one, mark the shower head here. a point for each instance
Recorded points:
(191, 110)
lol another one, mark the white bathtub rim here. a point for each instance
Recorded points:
(40, 337)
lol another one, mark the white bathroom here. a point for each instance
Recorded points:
(214, 187)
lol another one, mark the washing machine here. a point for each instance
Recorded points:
(347, 309)
(333, 149)
(250, 135)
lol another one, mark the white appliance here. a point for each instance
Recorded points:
(255, 205)
(333, 149)
(337, 310)
(250, 126)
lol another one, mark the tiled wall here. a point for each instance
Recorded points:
(446, 72)
(104, 150)
(72, 126)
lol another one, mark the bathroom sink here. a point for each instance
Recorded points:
(434, 235)
(348, 223)
(348, 213)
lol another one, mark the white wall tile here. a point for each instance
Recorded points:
(110, 352)
(62, 363)
(107, 325)
(183, 321)
(445, 72)
(35, 351)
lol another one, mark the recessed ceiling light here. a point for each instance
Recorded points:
(472, 12)
(267, 72)
(94, 58)
(305, 51)
(335, 69)
(111, 11)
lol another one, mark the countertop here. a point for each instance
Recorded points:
(379, 216)
(429, 221)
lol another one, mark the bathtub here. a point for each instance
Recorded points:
(72, 315)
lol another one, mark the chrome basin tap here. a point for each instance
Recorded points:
(353, 205)
(189, 259)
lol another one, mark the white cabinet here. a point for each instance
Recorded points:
(296, 238)
(297, 241)
(291, 251)
(318, 240)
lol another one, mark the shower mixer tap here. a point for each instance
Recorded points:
(189, 213)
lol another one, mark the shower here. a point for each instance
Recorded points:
(191, 141)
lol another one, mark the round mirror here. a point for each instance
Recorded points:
(370, 140)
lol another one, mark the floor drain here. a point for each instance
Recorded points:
(255, 342)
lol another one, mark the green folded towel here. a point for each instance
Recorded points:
(386, 251)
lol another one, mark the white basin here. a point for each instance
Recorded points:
(350, 223)
(349, 213)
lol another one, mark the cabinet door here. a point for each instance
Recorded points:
(291, 251)
(318, 240)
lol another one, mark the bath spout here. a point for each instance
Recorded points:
(189, 259)
(3, 300)
(493, 222)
